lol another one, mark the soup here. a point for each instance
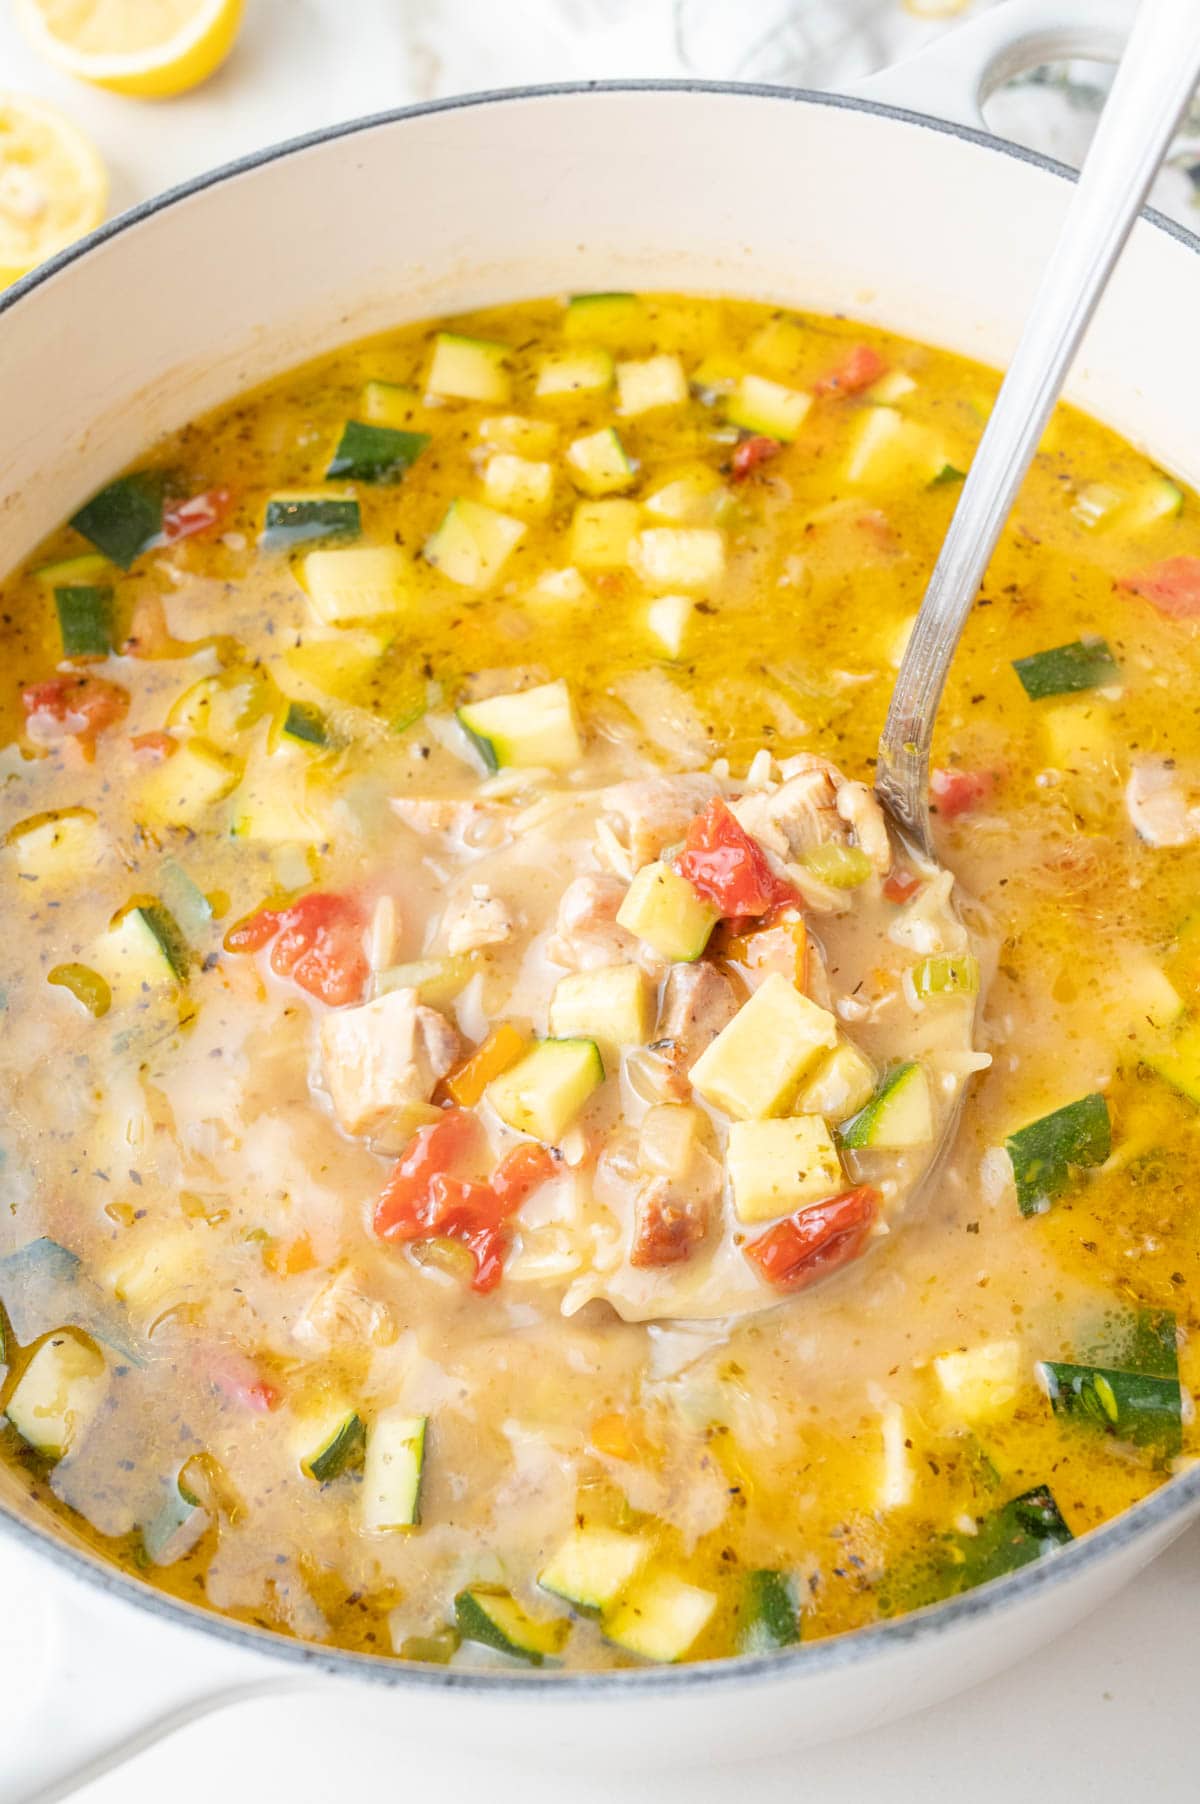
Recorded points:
(474, 1055)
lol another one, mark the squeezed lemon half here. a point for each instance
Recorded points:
(150, 48)
(53, 185)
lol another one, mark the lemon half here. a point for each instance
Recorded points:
(53, 186)
(151, 48)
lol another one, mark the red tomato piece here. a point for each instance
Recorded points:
(239, 1379)
(318, 944)
(955, 792)
(751, 453)
(728, 868)
(900, 886)
(815, 1241)
(73, 707)
(201, 513)
(1173, 587)
(431, 1152)
(154, 748)
(856, 371)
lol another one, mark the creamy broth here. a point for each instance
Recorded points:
(464, 1156)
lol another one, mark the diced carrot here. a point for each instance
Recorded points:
(155, 748)
(900, 886)
(502, 1048)
(857, 371)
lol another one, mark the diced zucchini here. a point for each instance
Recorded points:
(779, 346)
(1078, 735)
(691, 558)
(767, 1617)
(58, 1394)
(599, 464)
(1133, 1406)
(1044, 1151)
(391, 404)
(661, 1617)
(494, 1618)
(667, 618)
(85, 620)
(86, 571)
(392, 1473)
(889, 448)
(689, 498)
(436, 980)
(841, 867)
(125, 518)
(469, 369)
(544, 1091)
(575, 373)
(335, 667)
(1157, 499)
(273, 805)
(892, 387)
(776, 1167)
(143, 948)
(521, 437)
(218, 709)
(943, 975)
(755, 1065)
(945, 475)
(840, 1086)
(1020, 1531)
(150, 1263)
(662, 908)
(302, 724)
(1084, 664)
(898, 1116)
(369, 453)
(363, 582)
(531, 730)
(516, 484)
(297, 519)
(329, 1442)
(1096, 503)
(981, 1383)
(1179, 1065)
(565, 585)
(176, 1527)
(473, 543)
(612, 319)
(654, 382)
(610, 1006)
(760, 405)
(179, 790)
(603, 534)
(593, 1567)
(59, 848)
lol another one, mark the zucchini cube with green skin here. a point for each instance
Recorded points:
(58, 1394)
(1067, 669)
(579, 373)
(186, 785)
(690, 558)
(299, 519)
(87, 571)
(898, 1116)
(301, 724)
(371, 453)
(326, 1444)
(611, 1006)
(1179, 1065)
(518, 484)
(613, 319)
(982, 1383)
(60, 848)
(1044, 1151)
(594, 1566)
(660, 1617)
(545, 1090)
(141, 950)
(1134, 1406)
(755, 1065)
(469, 369)
(661, 908)
(762, 406)
(392, 1472)
(362, 582)
(85, 620)
(690, 498)
(603, 534)
(599, 464)
(473, 544)
(768, 1617)
(840, 1086)
(390, 404)
(495, 1619)
(651, 383)
(124, 518)
(531, 730)
(776, 1167)
(1157, 499)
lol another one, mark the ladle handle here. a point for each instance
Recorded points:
(1154, 83)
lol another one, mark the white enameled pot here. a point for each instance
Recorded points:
(866, 204)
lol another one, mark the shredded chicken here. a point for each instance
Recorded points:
(586, 934)
(858, 807)
(383, 1055)
(815, 806)
(479, 919)
(646, 816)
(1159, 804)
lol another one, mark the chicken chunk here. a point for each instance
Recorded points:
(1163, 809)
(382, 1056)
(698, 1001)
(586, 934)
(645, 816)
(796, 816)
(858, 807)
(668, 1225)
(478, 919)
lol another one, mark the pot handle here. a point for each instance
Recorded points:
(88, 1680)
(953, 77)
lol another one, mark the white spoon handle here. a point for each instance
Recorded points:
(1154, 83)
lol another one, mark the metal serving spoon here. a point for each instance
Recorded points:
(1157, 76)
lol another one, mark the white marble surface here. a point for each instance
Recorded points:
(1106, 1713)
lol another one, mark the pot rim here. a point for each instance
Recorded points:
(1173, 1502)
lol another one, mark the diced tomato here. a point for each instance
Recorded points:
(900, 886)
(816, 1240)
(955, 792)
(856, 371)
(1173, 587)
(728, 868)
(201, 513)
(73, 707)
(422, 1200)
(155, 748)
(751, 453)
(318, 944)
(239, 1379)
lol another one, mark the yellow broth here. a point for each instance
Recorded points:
(175, 1145)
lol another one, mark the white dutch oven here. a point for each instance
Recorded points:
(858, 204)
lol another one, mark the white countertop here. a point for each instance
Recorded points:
(1106, 1712)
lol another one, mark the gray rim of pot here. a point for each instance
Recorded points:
(1172, 1502)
